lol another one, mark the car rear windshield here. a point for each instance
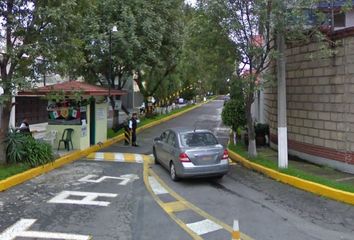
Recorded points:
(197, 139)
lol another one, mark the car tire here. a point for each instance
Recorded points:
(173, 173)
(155, 157)
(219, 177)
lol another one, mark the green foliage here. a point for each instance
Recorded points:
(145, 121)
(189, 94)
(15, 150)
(38, 153)
(22, 148)
(261, 129)
(266, 161)
(233, 114)
(9, 170)
(208, 55)
(36, 30)
(147, 41)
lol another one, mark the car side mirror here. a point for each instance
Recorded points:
(157, 139)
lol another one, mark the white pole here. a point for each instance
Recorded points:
(282, 124)
(12, 122)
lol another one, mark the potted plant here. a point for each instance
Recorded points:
(261, 130)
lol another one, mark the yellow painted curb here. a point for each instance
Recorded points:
(157, 122)
(309, 186)
(186, 205)
(34, 172)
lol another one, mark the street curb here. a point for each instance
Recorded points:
(309, 186)
(34, 172)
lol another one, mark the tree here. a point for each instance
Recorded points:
(29, 30)
(233, 113)
(145, 45)
(253, 26)
(208, 55)
(158, 64)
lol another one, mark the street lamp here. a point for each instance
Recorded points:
(114, 29)
(42, 68)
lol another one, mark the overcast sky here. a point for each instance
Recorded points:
(192, 2)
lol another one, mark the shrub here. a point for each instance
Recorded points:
(38, 153)
(261, 129)
(22, 148)
(233, 114)
(15, 142)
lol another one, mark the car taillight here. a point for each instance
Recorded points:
(183, 157)
(225, 155)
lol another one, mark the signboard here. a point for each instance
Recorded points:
(84, 130)
(101, 113)
(117, 104)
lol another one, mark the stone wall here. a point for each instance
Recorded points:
(320, 101)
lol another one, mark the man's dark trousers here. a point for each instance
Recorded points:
(133, 131)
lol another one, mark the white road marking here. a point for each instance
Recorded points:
(98, 156)
(119, 157)
(20, 227)
(204, 226)
(156, 186)
(125, 179)
(138, 158)
(88, 198)
(116, 157)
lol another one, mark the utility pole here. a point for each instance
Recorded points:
(281, 76)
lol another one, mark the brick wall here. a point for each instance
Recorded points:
(320, 99)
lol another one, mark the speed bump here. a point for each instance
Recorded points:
(118, 157)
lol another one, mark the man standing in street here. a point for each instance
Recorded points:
(133, 124)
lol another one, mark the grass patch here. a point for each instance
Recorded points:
(144, 121)
(111, 133)
(8, 170)
(291, 170)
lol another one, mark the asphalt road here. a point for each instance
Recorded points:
(70, 200)
(266, 209)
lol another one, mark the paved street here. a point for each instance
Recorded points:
(108, 200)
(128, 215)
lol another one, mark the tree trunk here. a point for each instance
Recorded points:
(4, 128)
(252, 151)
(115, 123)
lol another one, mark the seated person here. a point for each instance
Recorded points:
(24, 127)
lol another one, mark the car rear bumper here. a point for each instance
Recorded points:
(191, 170)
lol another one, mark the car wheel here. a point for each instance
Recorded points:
(155, 157)
(219, 177)
(173, 174)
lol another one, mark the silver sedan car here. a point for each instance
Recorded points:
(190, 153)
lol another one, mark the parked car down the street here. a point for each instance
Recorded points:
(190, 153)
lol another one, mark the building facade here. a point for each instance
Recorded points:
(320, 103)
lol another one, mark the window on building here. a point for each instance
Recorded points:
(339, 20)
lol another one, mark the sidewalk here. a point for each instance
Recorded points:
(311, 168)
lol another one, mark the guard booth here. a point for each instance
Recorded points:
(79, 106)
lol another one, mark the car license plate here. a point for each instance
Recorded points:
(207, 158)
